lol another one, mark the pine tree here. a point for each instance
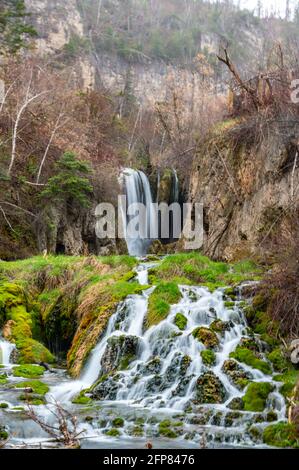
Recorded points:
(14, 28)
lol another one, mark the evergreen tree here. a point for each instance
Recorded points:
(14, 28)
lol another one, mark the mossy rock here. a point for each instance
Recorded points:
(281, 435)
(4, 405)
(209, 389)
(278, 360)
(255, 433)
(206, 336)
(289, 378)
(37, 386)
(113, 432)
(208, 357)
(28, 371)
(236, 374)
(119, 353)
(249, 357)
(118, 422)
(180, 321)
(33, 399)
(236, 403)
(256, 396)
(22, 317)
(166, 430)
(3, 434)
(219, 326)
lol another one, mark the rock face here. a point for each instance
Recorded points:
(119, 352)
(209, 389)
(240, 209)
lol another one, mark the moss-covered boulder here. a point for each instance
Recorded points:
(236, 374)
(119, 353)
(28, 371)
(206, 336)
(180, 321)
(19, 317)
(252, 359)
(236, 403)
(256, 396)
(106, 388)
(209, 389)
(220, 326)
(208, 357)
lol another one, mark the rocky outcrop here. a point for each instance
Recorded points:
(244, 187)
(119, 352)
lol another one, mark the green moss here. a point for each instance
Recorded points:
(281, 435)
(28, 371)
(3, 405)
(113, 432)
(3, 379)
(278, 360)
(165, 294)
(289, 378)
(229, 304)
(208, 357)
(3, 434)
(206, 336)
(256, 396)
(37, 386)
(81, 399)
(14, 306)
(180, 321)
(118, 422)
(249, 357)
(165, 429)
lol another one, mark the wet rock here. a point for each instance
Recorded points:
(236, 404)
(182, 386)
(119, 353)
(219, 326)
(206, 336)
(151, 367)
(106, 388)
(231, 418)
(209, 389)
(236, 374)
(203, 417)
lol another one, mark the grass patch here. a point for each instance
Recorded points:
(281, 435)
(165, 294)
(198, 269)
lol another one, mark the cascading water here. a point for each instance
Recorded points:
(6, 349)
(154, 375)
(137, 189)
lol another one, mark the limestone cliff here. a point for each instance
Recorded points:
(246, 187)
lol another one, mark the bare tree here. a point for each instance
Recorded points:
(64, 431)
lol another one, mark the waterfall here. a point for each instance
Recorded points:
(137, 189)
(175, 187)
(6, 349)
